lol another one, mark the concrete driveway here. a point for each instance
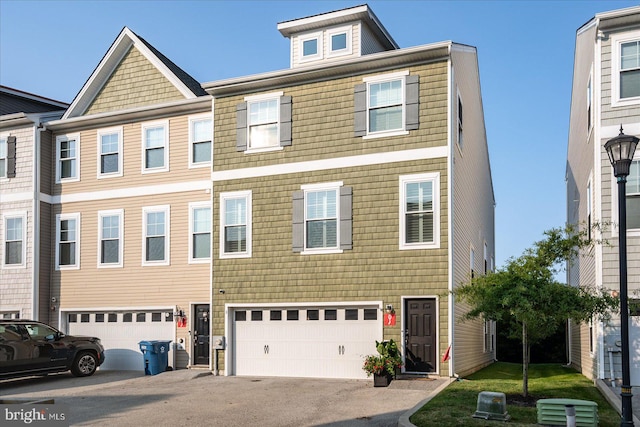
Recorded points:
(195, 398)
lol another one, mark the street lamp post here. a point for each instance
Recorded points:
(620, 150)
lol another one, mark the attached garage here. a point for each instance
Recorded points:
(322, 341)
(121, 331)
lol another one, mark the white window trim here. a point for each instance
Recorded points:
(59, 139)
(306, 37)
(247, 195)
(615, 228)
(616, 44)
(144, 127)
(4, 137)
(404, 179)
(117, 130)
(167, 234)
(63, 217)
(192, 120)
(120, 214)
(400, 75)
(11, 215)
(257, 98)
(193, 206)
(335, 31)
(320, 187)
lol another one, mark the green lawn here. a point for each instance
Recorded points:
(455, 404)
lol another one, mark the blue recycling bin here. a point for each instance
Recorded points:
(156, 356)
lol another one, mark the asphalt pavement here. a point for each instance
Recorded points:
(197, 398)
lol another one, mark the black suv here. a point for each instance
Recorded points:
(28, 347)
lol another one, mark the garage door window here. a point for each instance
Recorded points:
(292, 315)
(275, 315)
(84, 318)
(330, 314)
(141, 317)
(100, 317)
(351, 314)
(370, 314)
(113, 317)
(313, 315)
(256, 315)
(127, 317)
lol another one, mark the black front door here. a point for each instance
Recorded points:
(201, 335)
(420, 335)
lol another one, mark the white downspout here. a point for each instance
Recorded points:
(450, 166)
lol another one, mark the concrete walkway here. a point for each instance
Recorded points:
(613, 397)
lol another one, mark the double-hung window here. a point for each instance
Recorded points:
(322, 218)
(155, 147)
(419, 211)
(387, 105)
(110, 237)
(3, 157)
(67, 241)
(67, 158)
(200, 137)
(200, 232)
(155, 223)
(625, 78)
(264, 123)
(15, 234)
(110, 152)
(633, 196)
(235, 224)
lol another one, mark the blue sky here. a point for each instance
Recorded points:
(525, 51)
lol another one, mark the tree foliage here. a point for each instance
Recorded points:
(525, 295)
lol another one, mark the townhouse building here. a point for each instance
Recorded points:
(24, 284)
(605, 98)
(351, 194)
(130, 208)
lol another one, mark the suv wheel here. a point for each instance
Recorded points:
(84, 365)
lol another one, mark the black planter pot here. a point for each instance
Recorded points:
(382, 380)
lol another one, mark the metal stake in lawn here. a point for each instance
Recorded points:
(620, 150)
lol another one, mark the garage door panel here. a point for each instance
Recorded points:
(329, 346)
(121, 332)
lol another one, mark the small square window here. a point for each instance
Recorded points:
(370, 314)
(127, 317)
(141, 317)
(275, 315)
(240, 316)
(113, 317)
(313, 314)
(256, 315)
(292, 315)
(338, 41)
(168, 316)
(351, 314)
(156, 317)
(73, 318)
(310, 47)
(331, 315)
(84, 318)
(99, 317)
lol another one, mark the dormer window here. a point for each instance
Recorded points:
(311, 47)
(339, 40)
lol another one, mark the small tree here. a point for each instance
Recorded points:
(526, 297)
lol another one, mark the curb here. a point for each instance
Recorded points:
(613, 399)
(403, 421)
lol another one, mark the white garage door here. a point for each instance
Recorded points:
(322, 342)
(120, 333)
(634, 349)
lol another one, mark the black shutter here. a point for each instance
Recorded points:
(298, 221)
(360, 113)
(346, 218)
(412, 95)
(285, 121)
(241, 126)
(11, 157)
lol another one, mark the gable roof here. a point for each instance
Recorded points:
(17, 101)
(183, 82)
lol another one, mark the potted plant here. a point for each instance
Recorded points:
(384, 364)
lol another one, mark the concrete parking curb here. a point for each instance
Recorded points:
(403, 421)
